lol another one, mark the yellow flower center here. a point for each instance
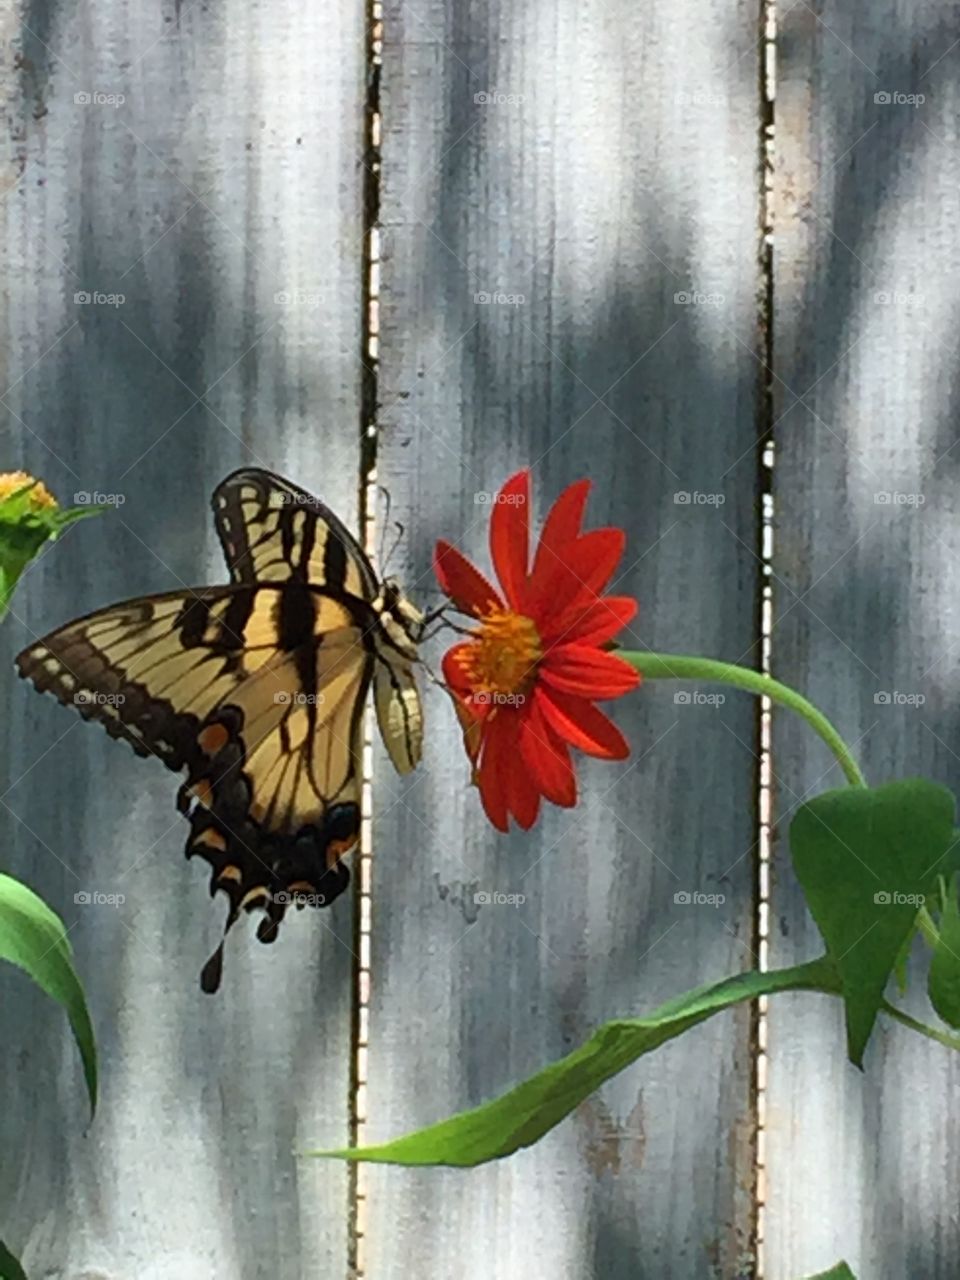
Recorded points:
(40, 496)
(503, 658)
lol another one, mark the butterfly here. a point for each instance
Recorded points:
(257, 690)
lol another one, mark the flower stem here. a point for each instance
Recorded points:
(671, 666)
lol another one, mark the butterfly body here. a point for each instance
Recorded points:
(256, 689)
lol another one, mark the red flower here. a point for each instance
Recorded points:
(526, 682)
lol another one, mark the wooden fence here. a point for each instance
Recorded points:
(570, 202)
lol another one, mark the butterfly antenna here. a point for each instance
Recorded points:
(386, 520)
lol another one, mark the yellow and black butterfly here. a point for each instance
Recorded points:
(257, 690)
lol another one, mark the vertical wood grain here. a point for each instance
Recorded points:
(867, 535)
(222, 198)
(553, 176)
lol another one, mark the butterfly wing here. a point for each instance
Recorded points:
(257, 691)
(273, 531)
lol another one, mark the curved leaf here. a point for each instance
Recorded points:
(10, 1268)
(522, 1116)
(867, 860)
(943, 982)
(33, 937)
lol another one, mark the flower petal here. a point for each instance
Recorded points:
(497, 759)
(462, 583)
(583, 725)
(578, 579)
(510, 538)
(523, 797)
(561, 527)
(587, 673)
(598, 623)
(546, 759)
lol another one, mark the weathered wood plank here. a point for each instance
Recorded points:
(227, 176)
(862, 1166)
(551, 189)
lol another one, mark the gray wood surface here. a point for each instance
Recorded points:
(863, 1166)
(228, 175)
(597, 181)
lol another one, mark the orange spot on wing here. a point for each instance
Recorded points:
(302, 886)
(230, 872)
(212, 839)
(213, 739)
(203, 792)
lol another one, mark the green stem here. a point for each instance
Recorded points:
(941, 1037)
(672, 666)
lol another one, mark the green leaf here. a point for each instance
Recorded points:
(10, 1268)
(24, 528)
(867, 859)
(522, 1116)
(33, 937)
(840, 1272)
(943, 982)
